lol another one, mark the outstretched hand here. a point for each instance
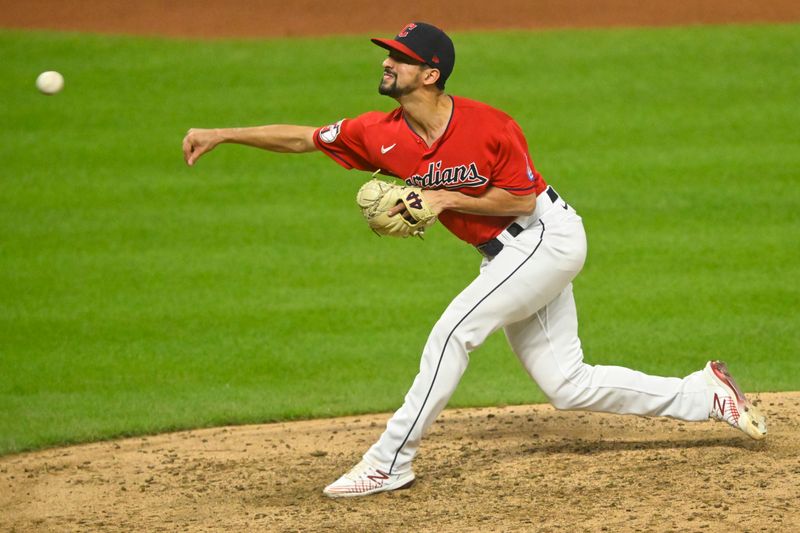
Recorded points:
(197, 142)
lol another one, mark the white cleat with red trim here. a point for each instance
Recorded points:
(365, 479)
(728, 402)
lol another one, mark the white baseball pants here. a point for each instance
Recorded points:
(526, 289)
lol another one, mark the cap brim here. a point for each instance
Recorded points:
(391, 44)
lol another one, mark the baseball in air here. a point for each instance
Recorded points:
(50, 82)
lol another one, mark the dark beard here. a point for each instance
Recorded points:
(389, 90)
(393, 90)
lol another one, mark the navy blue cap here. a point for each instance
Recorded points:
(427, 44)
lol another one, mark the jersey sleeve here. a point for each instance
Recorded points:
(344, 143)
(513, 169)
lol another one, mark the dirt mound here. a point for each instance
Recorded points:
(495, 469)
(279, 18)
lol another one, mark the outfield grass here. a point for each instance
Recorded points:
(138, 295)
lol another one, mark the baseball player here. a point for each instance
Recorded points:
(472, 165)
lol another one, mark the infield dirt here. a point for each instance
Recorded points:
(522, 468)
(280, 18)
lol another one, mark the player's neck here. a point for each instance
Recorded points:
(427, 113)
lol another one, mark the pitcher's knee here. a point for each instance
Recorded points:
(563, 401)
(466, 333)
(568, 392)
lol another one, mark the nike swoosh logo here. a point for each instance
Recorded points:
(385, 149)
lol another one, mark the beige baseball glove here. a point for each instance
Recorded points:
(377, 197)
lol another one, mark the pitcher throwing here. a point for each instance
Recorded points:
(473, 166)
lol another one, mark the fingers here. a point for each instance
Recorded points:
(195, 154)
(399, 208)
(193, 148)
(187, 150)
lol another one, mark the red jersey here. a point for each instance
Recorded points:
(481, 146)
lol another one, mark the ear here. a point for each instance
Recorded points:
(431, 76)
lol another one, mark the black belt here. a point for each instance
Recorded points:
(492, 247)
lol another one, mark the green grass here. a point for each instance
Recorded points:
(138, 295)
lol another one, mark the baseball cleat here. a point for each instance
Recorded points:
(728, 402)
(365, 479)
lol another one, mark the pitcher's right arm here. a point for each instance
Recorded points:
(284, 138)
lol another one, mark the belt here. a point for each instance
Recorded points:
(492, 247)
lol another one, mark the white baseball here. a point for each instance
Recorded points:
(50, 82)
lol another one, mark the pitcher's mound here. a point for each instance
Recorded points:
(519, 468)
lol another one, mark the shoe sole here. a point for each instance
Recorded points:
(751, 420)
(352, 494)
